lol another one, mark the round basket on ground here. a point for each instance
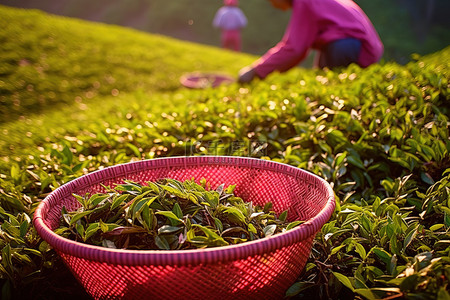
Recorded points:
(261, 269)
(198, 80)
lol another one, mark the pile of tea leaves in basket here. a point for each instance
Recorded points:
(169, 215)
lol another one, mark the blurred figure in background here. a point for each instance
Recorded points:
(338, 29)
(230, 19)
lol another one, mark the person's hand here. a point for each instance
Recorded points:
(246, 75)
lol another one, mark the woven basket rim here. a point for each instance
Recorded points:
(191, 256)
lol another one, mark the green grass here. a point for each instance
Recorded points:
(49, 61)
(379, 136)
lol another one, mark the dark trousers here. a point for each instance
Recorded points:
(340, 53)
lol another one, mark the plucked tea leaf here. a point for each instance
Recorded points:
(174, 191)
(251, 228)
(108, 244)
(436, 227)
(167, 229)
(267, 207)
(81, 200)
(218, 224)
(137, 207)
(282, 217)
(78, 216)
(96, 199)
(235, 215)
(118, 200)
(256, 214)
(147, 217)
(177, 210)
(361, 251)
(294, 224)
(134, 211)
(269, 230)
(162, 243)
(92, 229)
(212, 237)
(212, 199)
(170, 215)
(102, 225)
(80, 231)
(128, 187)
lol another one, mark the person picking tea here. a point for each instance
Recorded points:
(338, 29)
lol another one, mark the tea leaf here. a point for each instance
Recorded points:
(251, 228)
(80, 231)
(383, 255)
(344, 280)
(177, 210)
(410, 237)
(269, 230)
(167, 229)
(148, 217)
(267, 207)
(108, 244)
(162, 243)
(170, 215)
(24, 228)
(78, 216)
(235, 215)
(436, 227)
(219, 224)
(6, 256)
(366, 293)
(96, 199)
(118, 200)
(92, 229)
(174, 191)
(80, 200)
(360, 250)
(294, 224)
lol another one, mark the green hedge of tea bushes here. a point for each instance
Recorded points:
(379, 136)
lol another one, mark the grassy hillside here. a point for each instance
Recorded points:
(47, 61)
(379, 136)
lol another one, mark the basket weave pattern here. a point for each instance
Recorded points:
(261, 269)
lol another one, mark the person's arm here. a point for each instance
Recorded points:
(293, 48)
(242, 19)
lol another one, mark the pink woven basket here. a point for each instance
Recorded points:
(262, 269)
(198, 80)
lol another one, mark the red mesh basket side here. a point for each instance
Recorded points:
(265, 276)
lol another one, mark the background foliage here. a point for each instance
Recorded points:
(405, 26)
(77, 97)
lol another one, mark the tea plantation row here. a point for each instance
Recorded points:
(380, 136)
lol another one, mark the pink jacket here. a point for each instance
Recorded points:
(315, 23)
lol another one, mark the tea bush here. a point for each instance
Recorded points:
(379, 136)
